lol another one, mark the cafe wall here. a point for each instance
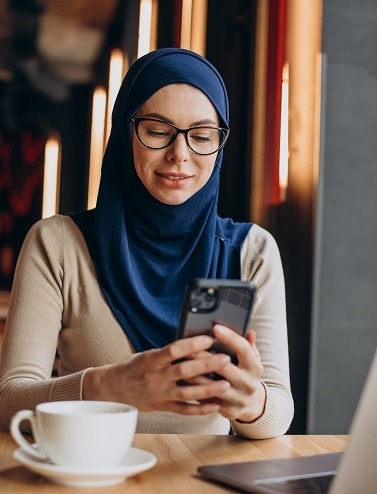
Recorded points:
(344, 312)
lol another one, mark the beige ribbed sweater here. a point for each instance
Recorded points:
(56, 300)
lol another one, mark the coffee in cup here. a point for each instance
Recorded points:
(85, 434)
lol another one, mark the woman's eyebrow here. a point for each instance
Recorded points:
(158, 116)
(205, 121)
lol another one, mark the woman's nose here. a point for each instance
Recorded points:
(178, 151)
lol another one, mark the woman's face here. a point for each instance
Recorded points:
(173, 174)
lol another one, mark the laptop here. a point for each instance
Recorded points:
(351, 472)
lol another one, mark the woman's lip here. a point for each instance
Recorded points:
(173, 180)
(173, 176)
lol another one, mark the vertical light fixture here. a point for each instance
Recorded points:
(96, 144)
(318, 97)
(154, 26)
(284, 126)
(51, 178)
(303, 42)
(199, 26)
(186, 24)
(115, 80)
(257, 211)
(147, 27)
(193, 25)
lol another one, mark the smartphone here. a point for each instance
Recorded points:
(210, 301)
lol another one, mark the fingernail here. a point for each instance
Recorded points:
(221, 329)
(224, 385)
(206, 339)
(224, 359)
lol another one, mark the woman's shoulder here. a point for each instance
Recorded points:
(57, 241)
(259, 239)
(259, 249)
(52, 224)
(52, 231)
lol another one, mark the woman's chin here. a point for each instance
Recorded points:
(172, 198)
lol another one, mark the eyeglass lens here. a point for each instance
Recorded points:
(158, 135)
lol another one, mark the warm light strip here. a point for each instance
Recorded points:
(186, 24)
(284, 125)
(258, 137)
(154, 26)
(96, 144)
(199, 26)
(115, 80)
(51, 178)
(318, 100)
(145, 27)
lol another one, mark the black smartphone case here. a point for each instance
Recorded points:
(210, 301)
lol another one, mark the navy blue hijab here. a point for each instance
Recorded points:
(144, 251)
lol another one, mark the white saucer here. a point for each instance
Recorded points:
(136, 461)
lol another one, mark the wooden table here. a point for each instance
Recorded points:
(178, 457)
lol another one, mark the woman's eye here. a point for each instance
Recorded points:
(158, 133)
(202, 135)
(202, 138)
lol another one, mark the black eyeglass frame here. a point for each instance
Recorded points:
(225, 132)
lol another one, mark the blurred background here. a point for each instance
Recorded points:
(300, 160)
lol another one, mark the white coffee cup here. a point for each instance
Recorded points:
(85, 434)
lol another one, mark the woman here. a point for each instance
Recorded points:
(106, 285)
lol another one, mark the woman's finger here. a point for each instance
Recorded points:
(194, 368)
(183, 348)
(245, 348)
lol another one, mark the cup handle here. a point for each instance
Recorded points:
(30, 449)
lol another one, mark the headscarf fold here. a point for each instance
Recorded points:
(146, 252)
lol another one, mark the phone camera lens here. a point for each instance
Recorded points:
(196, 302)
(203, 299)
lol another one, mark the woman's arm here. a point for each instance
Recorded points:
(261, 263)
(33, 324)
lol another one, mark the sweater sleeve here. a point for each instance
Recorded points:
(33, 324)
(261, 263)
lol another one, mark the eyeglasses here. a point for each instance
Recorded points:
(156, 134)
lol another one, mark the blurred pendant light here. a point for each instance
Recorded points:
(51, 178)
(284, 126)
(115, 80)
(96, 144)
(103, 105)
(186, 24)
(193, 29)
(147, 38)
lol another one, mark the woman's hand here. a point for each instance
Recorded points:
(246, 397)
(150, 380)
